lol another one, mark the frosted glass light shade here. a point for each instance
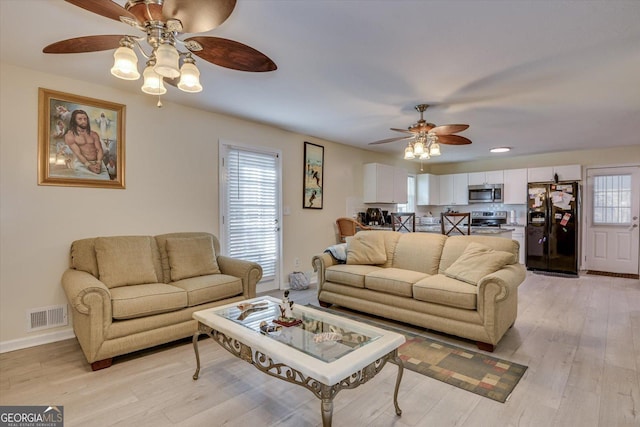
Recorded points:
(125, 64)
(153, 82)
(418, 148)
(167, 61)
(408, 153)
(434, 150)
(189, 78)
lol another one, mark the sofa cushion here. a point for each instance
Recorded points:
(454, 246)
(477, 261)
(393, 281)
(125, 260)
(419, 252)
(191, 257)
(213, 287)
(129, 302)
(440, 289)
(350, 275)
(366, 247)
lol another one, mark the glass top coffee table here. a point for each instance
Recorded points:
(324, 353)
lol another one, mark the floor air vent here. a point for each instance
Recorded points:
(47, 317)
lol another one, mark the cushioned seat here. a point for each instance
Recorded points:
(213, 287)
(440, 289)
(350, 275)
(393, 281)
(129, 302)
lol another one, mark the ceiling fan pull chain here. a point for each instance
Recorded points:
(159, 104)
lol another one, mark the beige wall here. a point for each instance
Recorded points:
(171, 180)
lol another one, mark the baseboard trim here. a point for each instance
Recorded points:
(20, 343)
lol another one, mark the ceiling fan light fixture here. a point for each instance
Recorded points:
(500, 149)
(153, 82)
(189, 76)
(425, 156)
(418, 147)
(125, 63)
(434, 149)
(167, 61)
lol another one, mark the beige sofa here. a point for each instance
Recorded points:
(461, 285)
(128, 293)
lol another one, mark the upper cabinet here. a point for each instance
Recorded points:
(384, 184)
(547, 173)
(428, 189)
(454, 189)
(481, 178)
(515, 187)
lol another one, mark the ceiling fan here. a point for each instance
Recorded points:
(426, 136)
(163, 21)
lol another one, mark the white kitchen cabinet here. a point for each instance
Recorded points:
(428, 189)
(384, 184)
(546, 173)
(518, 235)
(515, 187)
(454, 189)
(482, 178)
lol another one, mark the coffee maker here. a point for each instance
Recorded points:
(375, 216)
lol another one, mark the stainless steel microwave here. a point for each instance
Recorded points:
(488, 193)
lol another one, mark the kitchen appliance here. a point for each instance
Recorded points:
(487, 193)
(488, 218)
(552, 232)
(375, 216)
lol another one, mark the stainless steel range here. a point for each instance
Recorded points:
(488, 218)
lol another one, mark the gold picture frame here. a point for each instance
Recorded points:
(81, 141)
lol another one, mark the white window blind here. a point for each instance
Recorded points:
(252, 198)
(612, 199)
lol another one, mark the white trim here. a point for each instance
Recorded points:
(20, 343)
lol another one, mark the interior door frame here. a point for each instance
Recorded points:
(223, 148)
(587, 214)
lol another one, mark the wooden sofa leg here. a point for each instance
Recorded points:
(485, 346)
(325, 304)
(101, 364)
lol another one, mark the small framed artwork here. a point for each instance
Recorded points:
(312, 195)
(80, 141)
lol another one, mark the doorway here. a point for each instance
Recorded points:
(250, 205)
(611, 227)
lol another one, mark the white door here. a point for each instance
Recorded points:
(613, 208)
(250, 204)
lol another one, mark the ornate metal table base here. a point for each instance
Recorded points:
(324, 392)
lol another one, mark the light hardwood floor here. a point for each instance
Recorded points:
(579, 337)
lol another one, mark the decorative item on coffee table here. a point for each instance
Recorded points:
(286, 312)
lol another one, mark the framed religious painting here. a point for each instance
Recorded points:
(312, 194)
(80, 141)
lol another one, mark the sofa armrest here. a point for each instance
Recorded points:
(320, 264)
(250, 273)
(507, 280)
(84, 291)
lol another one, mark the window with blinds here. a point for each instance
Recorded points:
(252, 208)
(612, 199)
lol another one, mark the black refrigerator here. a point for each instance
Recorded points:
(552, 231)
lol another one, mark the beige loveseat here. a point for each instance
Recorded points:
(461, 285)
(128, 293)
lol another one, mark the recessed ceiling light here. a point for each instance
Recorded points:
(500, 149)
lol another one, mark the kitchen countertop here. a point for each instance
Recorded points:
(436, 229)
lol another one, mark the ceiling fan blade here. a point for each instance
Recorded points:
(106, 8)
(198, 16)
(404, 130)
(453, 140)
(397, 138)
(234, 55)
(448, 129)
(84, 44)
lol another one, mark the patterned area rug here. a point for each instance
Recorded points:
(475, 372)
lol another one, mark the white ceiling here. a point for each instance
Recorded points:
(538, 76)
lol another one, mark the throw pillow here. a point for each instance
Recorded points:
(125, 260)
(366, 247)
(191, 257)
(477, 261)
